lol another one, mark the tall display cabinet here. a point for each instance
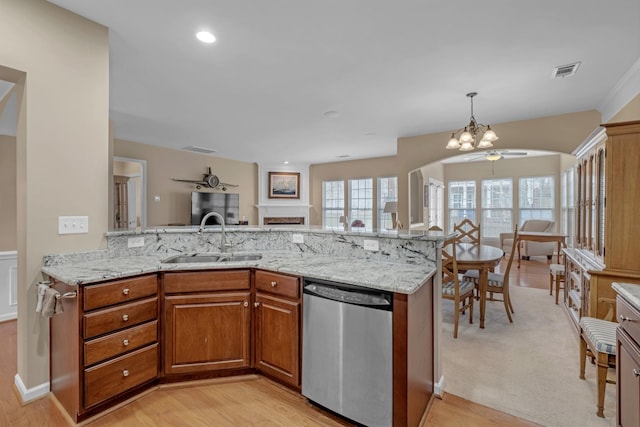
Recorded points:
(605, 247)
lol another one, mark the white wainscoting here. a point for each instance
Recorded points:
(8, 285)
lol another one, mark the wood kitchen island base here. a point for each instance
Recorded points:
(120, 338)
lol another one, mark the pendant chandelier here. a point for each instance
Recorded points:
(467, 139)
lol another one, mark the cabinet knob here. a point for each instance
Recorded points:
(125, 342)
(125, 317)
(125, 372)
(246, 304)
(624, 318)
(256, 304)
(636, 373)
(274, 284)
(125, 291)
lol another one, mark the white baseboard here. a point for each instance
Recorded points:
(438, 388)
(33, 393)
(8, 316)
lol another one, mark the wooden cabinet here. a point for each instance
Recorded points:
(277, 326)
(606, 230)
(628, 365)
(116, 350)
(207, 321)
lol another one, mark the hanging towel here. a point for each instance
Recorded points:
(42, 288)
(52, 303)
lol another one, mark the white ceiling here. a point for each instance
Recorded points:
(389, 68)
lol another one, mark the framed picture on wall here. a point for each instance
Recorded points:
(284, 185)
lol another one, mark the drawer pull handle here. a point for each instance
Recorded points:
(125, 291)
(274, 284)
(246, 304)
(125, 342)
(125, 317)
(125, 372)
(636, 373)
(624, 318)
(256, 304)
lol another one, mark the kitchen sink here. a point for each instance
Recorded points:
(181, 259)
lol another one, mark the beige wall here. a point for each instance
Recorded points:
(354, 169)
(8, 211)
(175, 197)
(630, 112)
(60, 64)
(560, 133)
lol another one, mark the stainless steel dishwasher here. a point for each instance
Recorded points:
(347, 351)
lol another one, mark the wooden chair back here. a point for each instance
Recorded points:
(468, 232)
(449, 263)
(511, 256)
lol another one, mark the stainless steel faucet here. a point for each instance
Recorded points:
(223, 239)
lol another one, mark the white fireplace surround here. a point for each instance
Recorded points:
(278, 208)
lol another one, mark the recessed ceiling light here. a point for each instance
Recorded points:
(206, 37)
(286, 162)
(331, 114)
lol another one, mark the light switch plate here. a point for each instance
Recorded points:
(73, 224)
(135, 242)
(297, 238)
(371, 245)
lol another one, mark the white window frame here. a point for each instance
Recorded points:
(331, 212)
(387, 192)
(496, 212)
(467, 203)
(528, 195)
(362, 188)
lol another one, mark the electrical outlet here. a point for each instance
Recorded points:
(297, 238)
(135, 242)
(73, 224)
(371, 245)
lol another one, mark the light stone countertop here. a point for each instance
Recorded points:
(629, 292)
(390, 276)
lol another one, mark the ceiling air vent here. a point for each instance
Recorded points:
(197, 149)
(565, 70)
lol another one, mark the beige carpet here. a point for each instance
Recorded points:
(528, 368)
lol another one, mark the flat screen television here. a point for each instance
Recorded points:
(226, 204)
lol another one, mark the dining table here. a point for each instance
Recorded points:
(482, 258)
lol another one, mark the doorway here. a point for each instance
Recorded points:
(129, 193)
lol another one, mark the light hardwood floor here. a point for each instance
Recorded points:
(252, 401)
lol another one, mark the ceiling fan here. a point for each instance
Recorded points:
(208, 180)
(493, 155)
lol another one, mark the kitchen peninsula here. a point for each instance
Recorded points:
(143, 322)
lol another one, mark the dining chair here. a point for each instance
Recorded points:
(468, 232)
(598, 341)
(556, 275)
(498, 283)
(459, 291)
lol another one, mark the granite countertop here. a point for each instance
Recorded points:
(390, 276)
(629, 292)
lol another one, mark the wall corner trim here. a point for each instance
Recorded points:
(438, 388)
(28, 395)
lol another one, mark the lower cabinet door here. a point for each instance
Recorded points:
(628, 381)
(206, 332)
(278, 338)
(116, 376)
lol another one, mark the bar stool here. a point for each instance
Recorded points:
(556, 275)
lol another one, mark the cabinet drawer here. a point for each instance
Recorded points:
(278, 284)
(120, 342)
(120, 317)
(119, 375)
(199, 281)
(97, 296)
(631, 324)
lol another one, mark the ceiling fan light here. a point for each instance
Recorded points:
(494, 156)
(453, 143)
(466, 136)
(490, 135)
(485, 143)
(466, 146)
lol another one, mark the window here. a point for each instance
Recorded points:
(361, 202)
(332, 203)
(387, 192)
(536, 198)
(497, 207)
(436, 203)
(462, 201)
